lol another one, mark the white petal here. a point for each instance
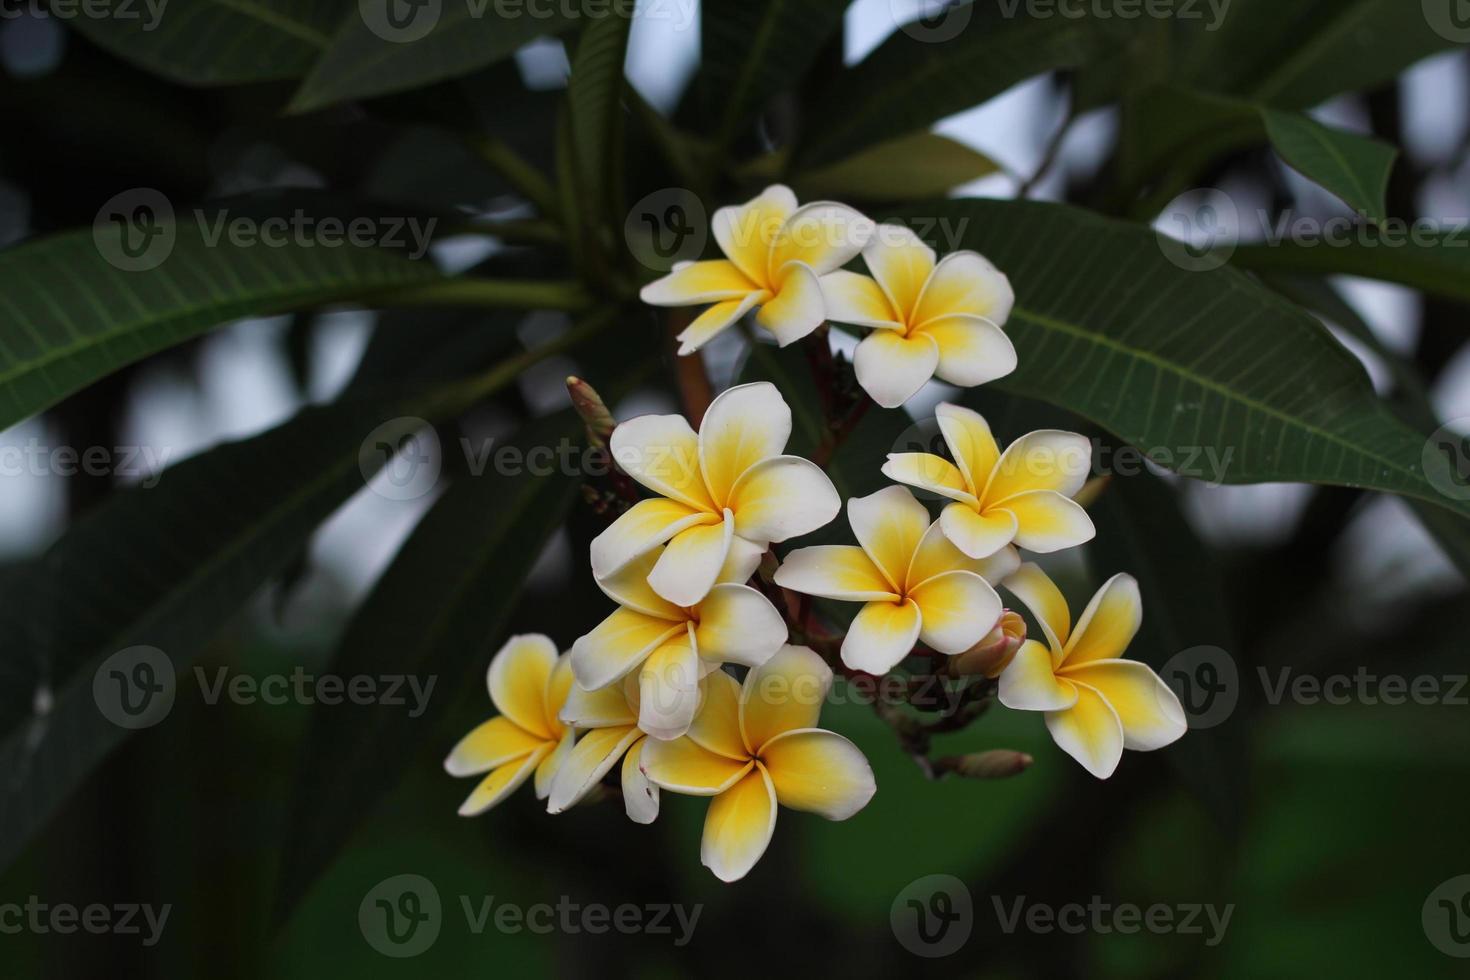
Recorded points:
(738, 625)
(668, 689)
(781, 498)
(836, 571)
(519, 675)
(742, 426)
(977, 535)
(881, 635)
(902, 264)
(858, 299)
(1029, 682)
(716, 320)
(1150, 712)
(1089, 732)
(744, 559)
(822, 235)
(662, 453)
(819, 772)
(1046, 521)
(972, 350)
(640, 795)
(957, 609)
(1045, 460)
(892, 368)
(691, 563)
(797, 309)
(738, 826)
(589, 760)
(966, 282)
(746, 232)
(646, 525)
(695, 283)
(889, 525)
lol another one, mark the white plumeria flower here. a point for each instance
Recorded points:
(756, 745)
(528, 684)
(1096, 703)
(774, 254)
(725, 488)
(610, 718)
(1022, 495)
(930, 318)
(671, 646)
(915, 585)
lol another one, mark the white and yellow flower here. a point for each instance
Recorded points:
(528, 684)
(775, 253)
(914, 584)
(756, 745)
(609, 718)
(728, 487)
(1022, 495)
(1096, 703)
(670, 646)
(930, 317)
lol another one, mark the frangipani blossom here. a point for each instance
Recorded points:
(774, 254)
(672, 647)
(610, 720)
(756, 745)
(1097, 704)
(930, 317)
(528, 684)
(914, 583)
(1022, 495)
(726, 488)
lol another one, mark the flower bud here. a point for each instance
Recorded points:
(995, 764)
(593, 411)
(994, 653)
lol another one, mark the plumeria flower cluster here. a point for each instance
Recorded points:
(927, 317)
(692, 684)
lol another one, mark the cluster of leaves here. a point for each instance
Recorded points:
(1105, 326)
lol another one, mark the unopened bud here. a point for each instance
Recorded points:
(995, 764)
(593, 411)
(994, 653)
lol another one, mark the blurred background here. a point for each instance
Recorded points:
(1323, 827)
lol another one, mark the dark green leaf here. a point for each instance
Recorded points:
(215, 42)
(73, 316)
(1173, 360)
(365, 60)
(594, 98)
(1436, 260)
(436, 613)
(917, 165)
(1353, 167)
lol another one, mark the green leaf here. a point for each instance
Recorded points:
(753, 51)
(215, 42)
(907, 84)
(365, 60)
(1435, 260)
(594, 99)
(437, 612)
(236, 515)
(1353, 167)
(918, 165)
(1174, 361)
(74, 317)
(1296, 55)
